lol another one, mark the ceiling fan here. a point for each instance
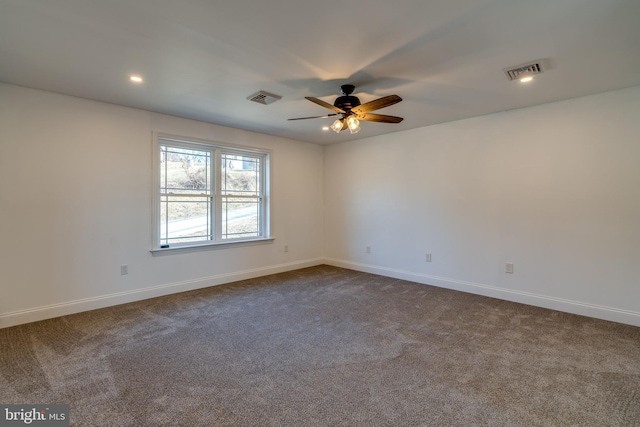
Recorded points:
(352, 111)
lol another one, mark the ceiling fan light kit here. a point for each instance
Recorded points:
(353, 124)
(337, 126)
(352, 111)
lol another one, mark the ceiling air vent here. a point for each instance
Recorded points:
(264, 98)
(529, 69)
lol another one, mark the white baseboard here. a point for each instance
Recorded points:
(55, 310)
(553, 303)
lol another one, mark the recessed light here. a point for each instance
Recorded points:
(526, 79)
(136, 79)
(325, 127)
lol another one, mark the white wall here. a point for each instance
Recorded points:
(75, 204)
(554, 189)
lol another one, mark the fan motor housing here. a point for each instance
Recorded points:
(346, 102)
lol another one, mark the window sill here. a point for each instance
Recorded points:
(209, 246)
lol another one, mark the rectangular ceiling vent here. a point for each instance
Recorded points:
(264, 98)
(530, 69)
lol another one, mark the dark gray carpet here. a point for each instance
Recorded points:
(326, 346)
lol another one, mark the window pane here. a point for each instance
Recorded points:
(184, 171)
(240, 217)
(185, 219)
(240, 174)
(208, 193)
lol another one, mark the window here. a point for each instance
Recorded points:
(208, 193)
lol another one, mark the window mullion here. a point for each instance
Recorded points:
(244, 196)
(217, 196)
(166, 202)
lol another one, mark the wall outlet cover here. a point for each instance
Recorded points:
(508, 267)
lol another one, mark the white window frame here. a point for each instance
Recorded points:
(217, 149)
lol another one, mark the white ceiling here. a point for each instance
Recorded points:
(201, 58)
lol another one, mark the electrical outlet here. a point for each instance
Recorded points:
(286, 248)
(124, 269)
(368, 249)
(427, 258)
(508, 267)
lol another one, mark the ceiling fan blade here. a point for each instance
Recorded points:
(381, 118)
(324, 104)
(376, 104)
(315, 117)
